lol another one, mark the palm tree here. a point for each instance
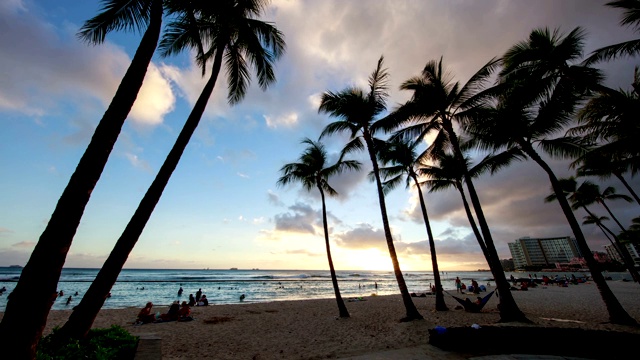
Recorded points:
(435, 105)
(609, 193)
(443, 171)
(596, 164)
(598, 221)
(39, 278)
(312, 170)
(539, 92)
(583, 196)
(357, 111)
(402, 160)
(609, 121)
(234, 34)
(627, 48)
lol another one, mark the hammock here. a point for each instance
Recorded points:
(472, 306)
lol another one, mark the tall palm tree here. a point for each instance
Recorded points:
(402, 158)
(438, 104)
(609, 193)
(357, 112)
(599, 222)
(233, 33)
(583, 196)
(609, 121)
(312, 171)
(539, 91)
(35, 290)
(627, 48)
(597, 164)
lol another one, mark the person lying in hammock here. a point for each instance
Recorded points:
(476, 306)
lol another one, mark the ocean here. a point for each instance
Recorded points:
(137, 286)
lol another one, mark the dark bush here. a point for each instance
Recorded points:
(100, 344)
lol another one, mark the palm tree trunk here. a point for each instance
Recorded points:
(85, 313)
(626, 185)
(412, 311)
(617, 314)
(622, 250)
(603, 203)
(342, 308)
(35, 291)
(509, 310)
(472, 222)
(440, 303)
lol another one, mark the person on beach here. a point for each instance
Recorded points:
(69, 300)
(458, 285)
(198, 295)
(172, 314)
(184, 314)
(192, 300)
(476, 288)
(242, 297)
(180, 291)
(203, 301)
(145, 316)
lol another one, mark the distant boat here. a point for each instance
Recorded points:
(15, 266)
(233, 269)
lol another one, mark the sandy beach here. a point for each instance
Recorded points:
(310, 329)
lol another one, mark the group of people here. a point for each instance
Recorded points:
(177, 312)
(199, 300)
(474, 287)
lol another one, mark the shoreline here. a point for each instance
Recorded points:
(310, 329)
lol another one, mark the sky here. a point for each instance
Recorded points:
(222, 207)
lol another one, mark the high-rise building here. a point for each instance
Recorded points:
(544, 252)
(632, 249)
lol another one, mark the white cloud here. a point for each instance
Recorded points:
(137, 162)
(154, 100)
(287, 120)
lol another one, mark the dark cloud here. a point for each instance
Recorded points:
(364, 236)
(302, 219)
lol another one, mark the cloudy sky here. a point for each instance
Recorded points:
(222, 207)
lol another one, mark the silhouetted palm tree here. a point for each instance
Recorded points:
(38, 282)
(357, 112)
(436, 104)
(234, 33)
(627, 48)
(602, 166)
(402, 158)
(583, 196)
(609, 121)
(313, 171)
(539, 93)
(598, 221)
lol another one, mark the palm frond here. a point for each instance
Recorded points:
(116, 15)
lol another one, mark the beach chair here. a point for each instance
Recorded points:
(472, 306)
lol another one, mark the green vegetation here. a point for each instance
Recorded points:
(100, 344)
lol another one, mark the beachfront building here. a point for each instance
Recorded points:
(528, 252)
(633, 249)
(613, 253)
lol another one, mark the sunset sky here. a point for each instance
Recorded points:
(222, 207)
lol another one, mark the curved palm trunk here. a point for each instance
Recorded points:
(342, 308)
(412, 311)
(617, 314)
(603, 203)
(627, 186)
(622, 250)
(35, 291)
(85, 313)
(509, 310)
(472, 221)
(440, 304)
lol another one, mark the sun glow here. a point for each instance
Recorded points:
(369, 259)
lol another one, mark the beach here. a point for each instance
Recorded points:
(310, 329)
